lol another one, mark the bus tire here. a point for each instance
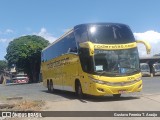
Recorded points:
(48, 86)
(79, 92)
(116, 95)
(51, 86)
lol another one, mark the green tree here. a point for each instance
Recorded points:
(3, 65)
(25, 53)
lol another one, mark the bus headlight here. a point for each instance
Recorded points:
(101, 82)
(97, 81)
(138, 79)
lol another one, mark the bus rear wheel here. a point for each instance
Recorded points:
(51, 86)
(79, 92)
(48, 86)
(116, 95)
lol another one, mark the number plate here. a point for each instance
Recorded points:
(122, 91)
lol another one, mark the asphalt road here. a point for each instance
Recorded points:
(151, 86)
(147, 100)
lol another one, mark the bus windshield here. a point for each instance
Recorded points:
(157, 66)
(144, 67)
(116, 62)
(110, 34)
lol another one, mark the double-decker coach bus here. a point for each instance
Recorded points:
(97, 59)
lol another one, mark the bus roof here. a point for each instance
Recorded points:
(81, 25)
(89, 24)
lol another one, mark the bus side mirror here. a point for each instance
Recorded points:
(147, 45)
(88, 45)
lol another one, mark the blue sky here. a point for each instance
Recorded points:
(51, 18)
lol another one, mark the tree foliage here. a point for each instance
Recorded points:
(3, 65)
(25, 53)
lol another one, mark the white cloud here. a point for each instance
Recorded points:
(153, 38)
(7, 31)
(48, 36)
(3, 40)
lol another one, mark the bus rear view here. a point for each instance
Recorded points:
(156, 69)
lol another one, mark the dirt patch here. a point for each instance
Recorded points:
(28, 105)
(22, 105)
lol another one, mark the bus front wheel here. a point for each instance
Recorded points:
(79, 90)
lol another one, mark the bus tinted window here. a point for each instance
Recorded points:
(65, 45)
(71, 45)
(110, 34)
(81, 34)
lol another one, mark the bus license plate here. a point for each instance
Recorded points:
(122, 91)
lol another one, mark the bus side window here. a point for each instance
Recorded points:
(81, 35)
(72, 47)
(72, 50)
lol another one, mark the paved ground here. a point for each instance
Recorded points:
(147, 100)
(39, 92)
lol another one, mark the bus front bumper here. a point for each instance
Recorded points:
(146, 74)
(101, 90)
(157, 73)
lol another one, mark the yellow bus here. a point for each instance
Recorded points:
(96, 59)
